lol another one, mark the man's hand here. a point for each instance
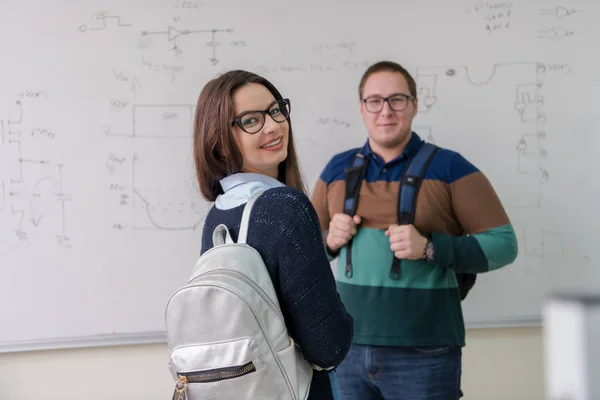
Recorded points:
(406, 242)
(342, 228)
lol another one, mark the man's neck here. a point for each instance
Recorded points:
(388, 153)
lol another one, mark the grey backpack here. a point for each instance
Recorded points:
(226, 334)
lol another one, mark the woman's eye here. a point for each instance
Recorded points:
(249, 121)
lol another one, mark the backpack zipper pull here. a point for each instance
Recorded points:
(181, 387)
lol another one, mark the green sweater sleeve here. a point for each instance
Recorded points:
(489, 241)
(481, 252)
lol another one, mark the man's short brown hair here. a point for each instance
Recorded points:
(388, 66)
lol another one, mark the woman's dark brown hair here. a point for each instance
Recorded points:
(216, 154)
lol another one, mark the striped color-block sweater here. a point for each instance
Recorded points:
(470, 230)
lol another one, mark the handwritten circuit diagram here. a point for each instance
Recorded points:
(520, 86)
(172, 34)
(33, 201)
(103, 20)
(158, 198)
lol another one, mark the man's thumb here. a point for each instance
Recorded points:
(356, 219)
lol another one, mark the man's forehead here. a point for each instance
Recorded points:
(385, 82)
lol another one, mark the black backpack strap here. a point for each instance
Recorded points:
(353, 176)
(410, 183)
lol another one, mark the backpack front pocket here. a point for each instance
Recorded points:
(222, 370)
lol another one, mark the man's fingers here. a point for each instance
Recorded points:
(341, 235)
(398, 237)
(342, 218)
(343, 227)
(402, 254)
(399, 246)
(346, 227)
(344, 230)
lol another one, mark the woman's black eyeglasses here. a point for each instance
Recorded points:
(253, 121)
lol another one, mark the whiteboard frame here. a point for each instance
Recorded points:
(131, 339)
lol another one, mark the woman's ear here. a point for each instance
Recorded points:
(219, 151)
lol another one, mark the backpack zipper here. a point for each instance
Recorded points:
(224, 287)
(211, 375)
(249, 282)
(218, 374)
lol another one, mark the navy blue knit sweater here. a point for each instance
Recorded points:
(284, 229)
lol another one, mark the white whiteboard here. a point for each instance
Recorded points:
(100, 216)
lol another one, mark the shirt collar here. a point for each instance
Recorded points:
(231, 181)
(238, 188)
(413, 146)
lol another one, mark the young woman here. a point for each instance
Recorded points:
(243, 143)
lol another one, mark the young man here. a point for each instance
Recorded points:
(408, 323)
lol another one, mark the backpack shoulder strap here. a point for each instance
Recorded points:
(353, 177)
(221, 234)
(243, 235)
(410, 183)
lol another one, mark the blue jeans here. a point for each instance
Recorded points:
(404, 373)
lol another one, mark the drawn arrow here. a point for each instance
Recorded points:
(135, 84)
(36, 222)
(36, 194)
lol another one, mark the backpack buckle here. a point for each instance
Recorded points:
(395, 272)
(348, 271)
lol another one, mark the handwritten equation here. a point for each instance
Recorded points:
(333, 121)
(496, 15)
(339, 48)
(333, 66)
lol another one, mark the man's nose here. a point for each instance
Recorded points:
(386, 109)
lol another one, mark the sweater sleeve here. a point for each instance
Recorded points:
(490, 241)
(319, 202)
(318, 320)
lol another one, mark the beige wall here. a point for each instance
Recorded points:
(498, 364)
